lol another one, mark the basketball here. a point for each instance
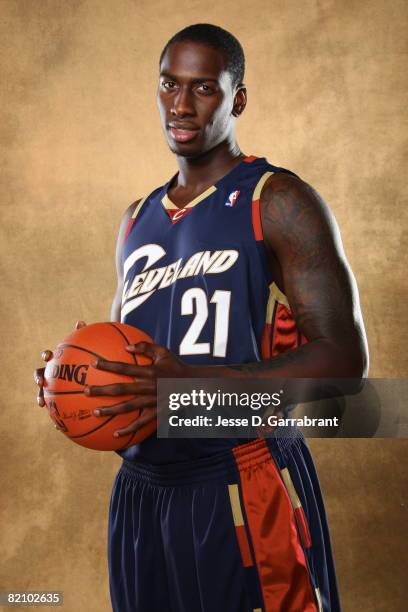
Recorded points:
(69, 371)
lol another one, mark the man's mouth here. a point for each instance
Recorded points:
(183, 134)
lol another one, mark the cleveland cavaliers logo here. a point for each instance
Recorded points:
(152, 279)
(178, 214)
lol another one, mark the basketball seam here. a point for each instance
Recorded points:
(80, 348)
(120, 331)
(61, 392)
(132, 435)
(95, 429)
(123, 335)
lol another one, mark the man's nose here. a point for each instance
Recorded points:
(183, 103)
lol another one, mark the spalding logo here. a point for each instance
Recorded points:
(70, 372)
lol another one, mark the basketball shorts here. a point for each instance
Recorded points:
(241, 531)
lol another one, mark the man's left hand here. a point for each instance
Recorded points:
(164, 364)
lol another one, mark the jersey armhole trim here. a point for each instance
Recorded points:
(132, 218)
(136, 212)
(256, 210)
(138, 207)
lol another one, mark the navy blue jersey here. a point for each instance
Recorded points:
(197, 281)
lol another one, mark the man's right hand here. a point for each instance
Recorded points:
(39, 372)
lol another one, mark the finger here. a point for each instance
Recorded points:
(144, 387)
(145, 348)
(40, 398)
(136, 425)
(39, 376)
(80, 324)
(119, 367)
(134, 404)
(46, 355)
(116, 389)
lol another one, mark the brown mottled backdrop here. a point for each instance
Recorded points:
(80, 140)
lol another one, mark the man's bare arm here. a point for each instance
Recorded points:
(302, 237)
(117, 300)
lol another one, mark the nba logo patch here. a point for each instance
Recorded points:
(232, 198)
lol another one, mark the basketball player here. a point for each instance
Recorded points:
(235, 267)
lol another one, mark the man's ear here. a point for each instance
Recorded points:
(240, 100)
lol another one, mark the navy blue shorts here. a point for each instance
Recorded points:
(241, 531)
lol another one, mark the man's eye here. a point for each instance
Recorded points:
(203, 88)
(168, 84)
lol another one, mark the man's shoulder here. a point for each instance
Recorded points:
(137, 204)
(285, 191)
(282, 179)
(291, 208)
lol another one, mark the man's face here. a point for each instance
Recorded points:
(195, 98)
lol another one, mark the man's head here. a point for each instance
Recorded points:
(201, 89)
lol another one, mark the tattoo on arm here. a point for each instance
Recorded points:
(301, 232)
(297, 358)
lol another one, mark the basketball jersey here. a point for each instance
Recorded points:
(197, 281)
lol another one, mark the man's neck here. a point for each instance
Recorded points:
(200, 172)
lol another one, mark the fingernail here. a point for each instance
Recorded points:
(87, 391)
(129, 347)
(97, 412)
(116, 434)
(95, 363)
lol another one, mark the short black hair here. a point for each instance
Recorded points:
(219, 39)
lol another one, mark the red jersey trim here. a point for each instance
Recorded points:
(256, 211)
(280, 333)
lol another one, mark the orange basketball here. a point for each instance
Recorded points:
(69, 371)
